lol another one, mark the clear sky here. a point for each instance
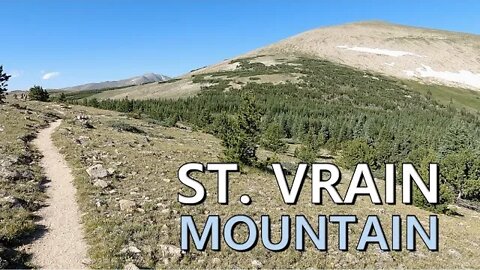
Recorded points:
(64, 43)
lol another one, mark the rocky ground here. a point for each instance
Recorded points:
(125, 175)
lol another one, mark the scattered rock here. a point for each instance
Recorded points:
(257, 264)
(127, 205)
(98, 203)
(12, 201)
(182, 126)
(86, 124)
(166, 180)
(100, 183)
(87, 261)
(82, 117)
(134, 249)
(6, 163)
(82, 140)
(97, 172)
(454, 253)
(9, 175)
(216, 261)
(130, 266)
(170, 251)
(111, 171)
(27, 175)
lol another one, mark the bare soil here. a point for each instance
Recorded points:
(62, 246)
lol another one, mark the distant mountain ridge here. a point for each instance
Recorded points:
(137, 80)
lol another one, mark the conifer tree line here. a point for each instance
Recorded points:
(363, 117)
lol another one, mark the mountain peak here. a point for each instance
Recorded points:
(428, 55)
(137, 80)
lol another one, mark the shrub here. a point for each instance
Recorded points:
(120, 126)
(461, 171)
(305, 154)
(471, 190)
(272, 138)
(357, 151)
(446, 197)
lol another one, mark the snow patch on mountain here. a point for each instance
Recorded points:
(462, 77)
(379, 51)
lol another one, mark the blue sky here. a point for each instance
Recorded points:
(64, 43)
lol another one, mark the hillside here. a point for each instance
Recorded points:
(407, 53)
(137, 80)
(427, 55)
(134, 217)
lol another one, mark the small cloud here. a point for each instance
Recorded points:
(50, 75)
(16, 73)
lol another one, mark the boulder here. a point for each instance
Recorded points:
(100, 183)
(127, 205)
(130, 266)
(257, 264)
(97, 171)
(130, 250)
(170, 251)
(111, 171)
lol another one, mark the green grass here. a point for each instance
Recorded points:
(457, 97)
(73, 95)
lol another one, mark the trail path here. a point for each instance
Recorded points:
(62, 246)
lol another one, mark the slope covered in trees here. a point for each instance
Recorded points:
(364, 116)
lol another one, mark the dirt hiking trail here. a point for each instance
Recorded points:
(62, 246)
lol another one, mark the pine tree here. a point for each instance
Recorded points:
(456, 139)
(272, 138)
(3, 84)
(38, 93)
(240, 136)
(62, 97)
